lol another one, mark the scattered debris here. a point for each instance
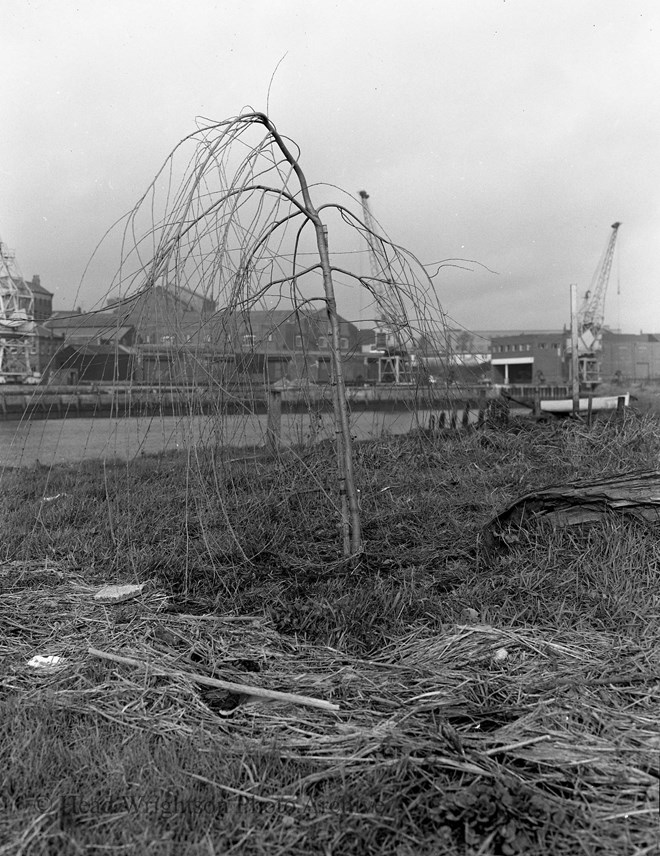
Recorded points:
(48, 663)
(470, 616)
(490, 736)
(118, 594)
(500, 655)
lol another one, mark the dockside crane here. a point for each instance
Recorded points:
(391, 325)
(591, 318)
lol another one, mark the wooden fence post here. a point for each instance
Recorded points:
(274, 425)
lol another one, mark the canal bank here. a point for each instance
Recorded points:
(30, 402)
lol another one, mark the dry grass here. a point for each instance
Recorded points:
(440, 744)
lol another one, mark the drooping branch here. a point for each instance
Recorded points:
(235, 230)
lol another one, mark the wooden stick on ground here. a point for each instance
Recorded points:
(273, 695)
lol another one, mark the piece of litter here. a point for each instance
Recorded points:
(500, 655)
(470, 616)
(118, 594)
(50, 662)
(51, 498)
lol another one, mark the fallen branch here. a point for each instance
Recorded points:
(272, 695)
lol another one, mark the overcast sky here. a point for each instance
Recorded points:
(512, 133)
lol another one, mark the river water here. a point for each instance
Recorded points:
(70, 440)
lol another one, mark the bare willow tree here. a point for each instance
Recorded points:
(238, 228)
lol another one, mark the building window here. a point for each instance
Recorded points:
(323, 342)
(248, 339)
(299, 341)
(343, 343)
(381, 340)
(528, 347)
(541, 346)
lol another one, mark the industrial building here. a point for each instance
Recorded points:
(528, 358)
(161, 338)
(176, 336)
(630, 358)
(280, 346)
(541, 357)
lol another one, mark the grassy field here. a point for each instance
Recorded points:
(503, 702)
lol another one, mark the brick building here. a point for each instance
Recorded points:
(285, 345)
(526, 358)
(630, 357)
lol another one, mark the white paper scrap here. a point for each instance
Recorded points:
(118, 594)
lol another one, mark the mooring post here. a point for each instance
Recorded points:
(590, 408)
(274, 424)
(466, 415)
(481, 414)
(620, 405)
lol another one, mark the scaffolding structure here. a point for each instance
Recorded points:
(17, 326)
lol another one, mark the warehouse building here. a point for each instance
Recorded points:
(630, 358)
(528, 358)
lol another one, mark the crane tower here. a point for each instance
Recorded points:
(591, 317)
(391, 325)
(17, 328)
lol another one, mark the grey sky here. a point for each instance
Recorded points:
(513, 133)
